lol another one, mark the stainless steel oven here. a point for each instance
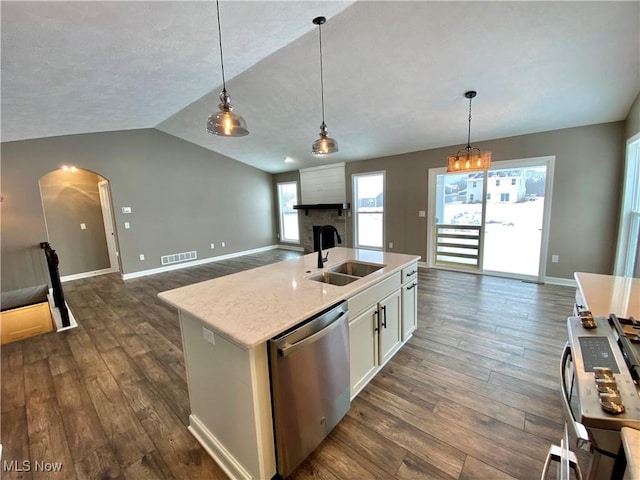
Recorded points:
(310, 384)
(600, 393)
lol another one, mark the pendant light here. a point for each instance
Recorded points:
(469, 159)
(225, 123)
(324, 144)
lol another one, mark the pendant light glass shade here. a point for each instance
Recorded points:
(325, 144)
(225, 123)
(469, 159)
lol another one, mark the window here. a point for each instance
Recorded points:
(368, 194)
(488, 196)
(497, 182)
(628, 250)
(504, 197)
(513, 181)
(471, 198)
(287, 198)
(474, 184)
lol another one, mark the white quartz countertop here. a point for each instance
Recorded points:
(606, 294)
(253, 306)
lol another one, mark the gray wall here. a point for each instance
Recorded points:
(585, 207)
(183, 198)
(633, 119)
(70, 199)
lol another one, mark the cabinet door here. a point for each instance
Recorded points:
(409, 309)
(389, 336)
(363, 334)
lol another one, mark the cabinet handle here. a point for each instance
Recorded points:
(412, 273)
(410, 287)
(384, 311)
(377, 315)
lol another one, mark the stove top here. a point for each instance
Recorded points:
(608, 395)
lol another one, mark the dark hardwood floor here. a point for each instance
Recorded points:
(473, 395)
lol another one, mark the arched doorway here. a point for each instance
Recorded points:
(79, 220)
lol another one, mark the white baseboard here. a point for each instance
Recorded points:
(94, 273)
(216, 450)
(178, 266)
(295, 248)
(565, 282)
(57, 318)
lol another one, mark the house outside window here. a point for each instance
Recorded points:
(287, 198)
(513, 181)
(504, 197)
(497, 182)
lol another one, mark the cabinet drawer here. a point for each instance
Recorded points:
(372, 295)
(409, 273)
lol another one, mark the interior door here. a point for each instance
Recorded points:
(109, 229)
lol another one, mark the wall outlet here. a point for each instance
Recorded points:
(422, 213)
(213, 245)
(141, 256)
(223, 244)
(555, 258)
(126, 209)
(390, 244)
(83, 226)
(208, 336)
(127, 225)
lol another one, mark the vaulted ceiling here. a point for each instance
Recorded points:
(395, 72)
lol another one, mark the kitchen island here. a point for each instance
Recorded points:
(226, 322)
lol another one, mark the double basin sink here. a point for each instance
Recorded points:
(347, 272)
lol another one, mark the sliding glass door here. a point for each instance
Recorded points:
(492, 222)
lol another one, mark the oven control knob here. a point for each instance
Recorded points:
(611, 403)
(586, 319)
(606, 385)
(603, 372)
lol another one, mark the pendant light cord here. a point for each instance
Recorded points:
(321, 72)
(224, 86)
(469, 133)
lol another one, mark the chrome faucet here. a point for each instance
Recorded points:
(321, 259)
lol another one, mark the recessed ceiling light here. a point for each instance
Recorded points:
(288, 160)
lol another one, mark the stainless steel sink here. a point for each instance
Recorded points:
(334, 278)
(357, 269)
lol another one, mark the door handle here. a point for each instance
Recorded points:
(384, 312)
(577, 430)
(289, 348)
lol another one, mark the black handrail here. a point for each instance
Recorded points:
(56, 284)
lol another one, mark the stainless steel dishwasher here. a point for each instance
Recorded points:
(310, 388)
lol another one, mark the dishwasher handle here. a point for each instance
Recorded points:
(286, 349)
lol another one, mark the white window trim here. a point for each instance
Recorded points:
(629, 190)
(280, 216)
(356, 240)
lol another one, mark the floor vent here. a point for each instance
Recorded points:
(178, 257)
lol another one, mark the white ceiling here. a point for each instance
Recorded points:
(395, 72)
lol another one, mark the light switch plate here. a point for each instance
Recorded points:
(126, 209)
(422, 213)
(141, 256)
(83, 226)
(127, 225)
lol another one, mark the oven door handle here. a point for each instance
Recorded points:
(576, 429)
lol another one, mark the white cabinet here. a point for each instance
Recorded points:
(363, 355)
(374, 330)
(409, 301)
(388, 327)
